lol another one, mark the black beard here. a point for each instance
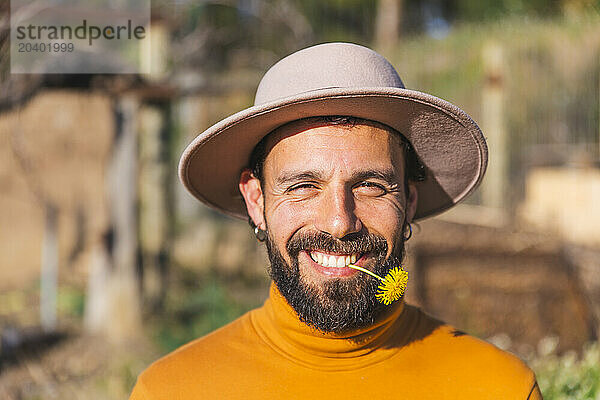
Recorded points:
(339, 305)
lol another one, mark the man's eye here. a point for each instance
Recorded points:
(302, 187)
(370, 189)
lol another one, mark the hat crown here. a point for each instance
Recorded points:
(329, 65)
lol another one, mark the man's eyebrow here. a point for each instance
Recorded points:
(385, 175)
(295, 176)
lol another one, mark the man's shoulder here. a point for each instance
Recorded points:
(460, 346)
(467, 359)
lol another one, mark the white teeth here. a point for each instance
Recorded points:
(332, 261)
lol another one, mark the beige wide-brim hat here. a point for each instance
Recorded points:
(339, 79)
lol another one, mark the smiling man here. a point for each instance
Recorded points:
(334, 192)
(333, 162)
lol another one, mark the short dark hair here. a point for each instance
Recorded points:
(414, 170)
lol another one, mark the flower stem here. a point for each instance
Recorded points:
(366, 271)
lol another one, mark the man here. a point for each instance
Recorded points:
(333, 163)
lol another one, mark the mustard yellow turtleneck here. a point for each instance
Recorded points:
(269, 354)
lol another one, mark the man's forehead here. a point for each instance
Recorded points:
(302, 132)
(321, 146)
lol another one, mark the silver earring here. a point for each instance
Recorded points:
(409, 232)
(260, 234)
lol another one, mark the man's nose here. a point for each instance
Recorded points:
(337, 213)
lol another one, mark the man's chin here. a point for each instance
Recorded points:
(333, 305)
(339, 291)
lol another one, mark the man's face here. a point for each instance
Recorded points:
(332, 195)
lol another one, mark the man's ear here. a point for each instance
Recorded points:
(411, 202)
(253, 197)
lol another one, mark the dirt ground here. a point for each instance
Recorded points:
(78, 367)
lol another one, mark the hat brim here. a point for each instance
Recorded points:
(448, 142)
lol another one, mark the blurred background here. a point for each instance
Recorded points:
(106, 263)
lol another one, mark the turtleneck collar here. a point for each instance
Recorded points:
(279, 326)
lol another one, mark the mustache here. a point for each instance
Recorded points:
(354, 243)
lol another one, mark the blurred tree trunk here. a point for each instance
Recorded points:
(387, 25)
(154, 203)
(114, 306)
(49, 268)
(190, 112)
(96, 303)
(494, 188)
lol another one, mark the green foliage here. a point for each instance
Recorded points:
(569, 377)
(341, 20)
(477, 10)
(71, 301)
(192, 313)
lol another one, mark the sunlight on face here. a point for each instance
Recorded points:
(333, 179)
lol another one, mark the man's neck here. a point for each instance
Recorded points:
(278, 324)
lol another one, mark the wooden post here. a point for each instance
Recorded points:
(115, 264)
(494, 187)
(49, 269)
(387, 24)
(154, 50)
(190, 114)
(125, 307)
(96, 299)
(153, 203)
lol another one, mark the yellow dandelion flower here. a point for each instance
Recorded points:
(392, 287)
